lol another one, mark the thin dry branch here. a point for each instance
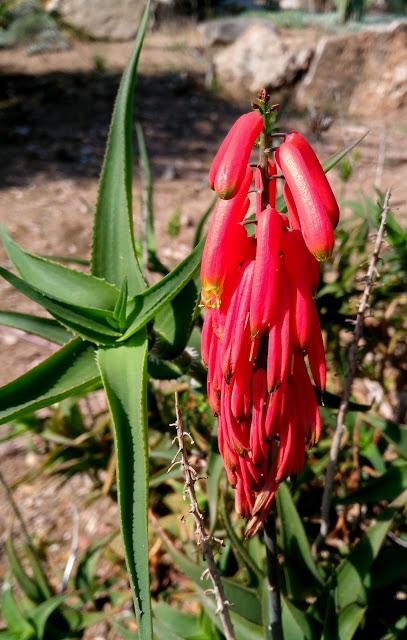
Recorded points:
(349, 376)
(203, 538)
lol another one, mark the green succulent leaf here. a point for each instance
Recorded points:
(215, 472)
(394, 432)
(37, 571)
(75, 288)
(344, 625)
(386, 487)
(173, 324)
(124, 375)
(68, 316)
(333, 160)
(120, 310)
(113, 252)
(244, 628)
(69, 371)
(14, 618)
(36, 325)
(39, 617)
(152, 300)
(183, 626)
(296, 623)
(241, 550)
(162, 369)
(149, 245)
(242, 599)
(85, 574)
(301, 572)
(29, 586)
(353, 571)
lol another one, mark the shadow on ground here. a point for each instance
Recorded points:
(58, 122)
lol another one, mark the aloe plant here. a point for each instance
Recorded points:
(102, 318)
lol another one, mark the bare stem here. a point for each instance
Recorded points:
(203, 538)
(273, 582)
(349, 376)
(274, 601)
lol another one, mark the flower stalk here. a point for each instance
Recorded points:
(270, 531)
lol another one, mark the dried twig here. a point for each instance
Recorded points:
(349, 376)
(273, 582)
(203, 539)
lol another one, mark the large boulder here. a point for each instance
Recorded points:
(362, 73)
(101, 19)
(259, 58)
(224, 31)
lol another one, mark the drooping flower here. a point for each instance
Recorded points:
(316, 226)
(230, 164)
(318, 175)
(261, 324)
(226, 242)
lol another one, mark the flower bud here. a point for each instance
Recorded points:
(318, 175)
(236, 335)
(299, 279)
(225, 242)
(267, 264)
(315, 224)
(258, 444)
(232, 167)
(316, 354)
(279, 336)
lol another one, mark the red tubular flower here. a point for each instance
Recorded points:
(299, 278)
(315, 224)
(262, 321)
(295, 224)
(316, 354)
(240, 398)
(291, 208)
(257, 432)
(267, 264)
(318, 175)
(231, 169)
(221, 152)
(236, 333)
(225, 241)
(279, 336)
(307, 406)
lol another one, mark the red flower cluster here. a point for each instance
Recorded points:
(261, 323)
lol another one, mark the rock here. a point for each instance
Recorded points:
(259, 59)
(360, 74)
(101, 19)
(226, 30)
